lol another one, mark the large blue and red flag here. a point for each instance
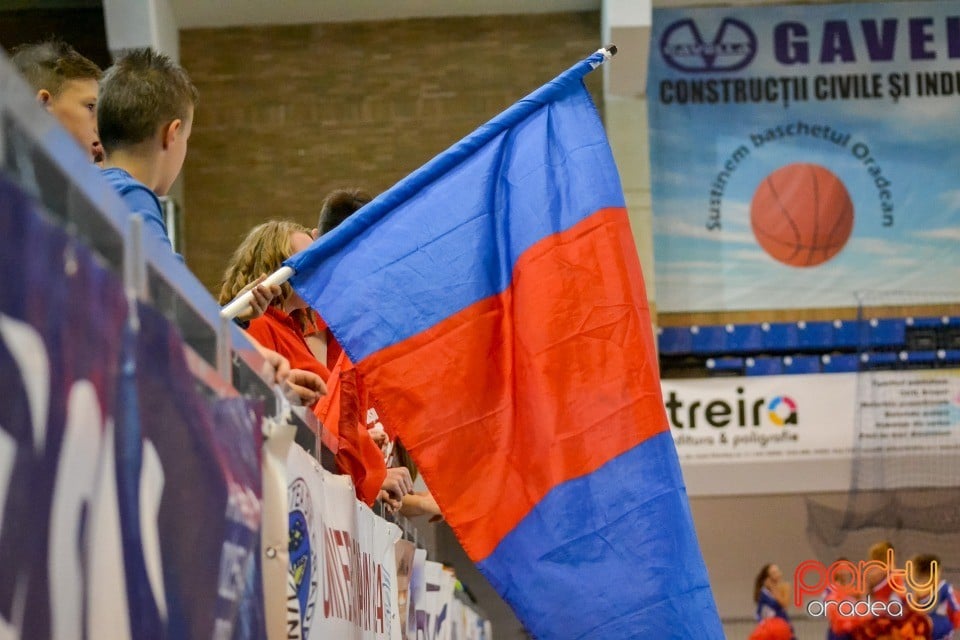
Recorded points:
(494, 304)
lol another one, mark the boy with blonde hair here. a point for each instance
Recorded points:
(145, 116)
(66, 86)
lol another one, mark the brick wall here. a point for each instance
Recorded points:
(288, 113)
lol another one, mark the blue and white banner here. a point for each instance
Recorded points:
(804, 154)
(129, 507)
(465, 624)
(416, 625)
(434, 603)
(403, 552)
(343, 571)
(305, 502)
(60, 328)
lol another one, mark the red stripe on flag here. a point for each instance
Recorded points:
(522, 391)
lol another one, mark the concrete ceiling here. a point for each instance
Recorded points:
(191, 14)
(47, 5)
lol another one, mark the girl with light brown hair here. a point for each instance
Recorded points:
(281, 328)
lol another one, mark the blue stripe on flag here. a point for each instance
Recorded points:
(610, 555)
(448, 241)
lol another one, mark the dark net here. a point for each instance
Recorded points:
(905, 468)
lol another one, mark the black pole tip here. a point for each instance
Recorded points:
(612, 49)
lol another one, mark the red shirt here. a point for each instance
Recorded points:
(315, 324)
(278, 331)
(340, 412)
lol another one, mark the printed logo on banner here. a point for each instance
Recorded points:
(780, 410)
(740, 419)
(304, 567)
(352, 582)
(733, 46)
(237, 554)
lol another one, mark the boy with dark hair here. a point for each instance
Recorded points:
(145, 115)
(66, 86)
(338, 206)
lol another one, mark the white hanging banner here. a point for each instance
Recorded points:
(433, 603)
(404, 556)
(802, 153)
(305, 580)
(342, 564)
(418, 591)
(386, 535)
(789, 433)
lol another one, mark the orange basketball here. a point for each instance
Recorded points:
(801, 214)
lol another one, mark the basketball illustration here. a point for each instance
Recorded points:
(801, 214)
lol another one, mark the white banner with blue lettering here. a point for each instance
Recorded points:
(804, 154)
(343, 573)
(416, 624)
(433, 610)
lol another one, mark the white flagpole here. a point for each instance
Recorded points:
(242, 302)
(608, 52)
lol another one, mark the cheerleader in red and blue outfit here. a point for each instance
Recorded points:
(771, 594)
(945, 614)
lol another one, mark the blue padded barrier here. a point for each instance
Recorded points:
(800, 364)
(927, 322)
(725, 365)
(925, 358)
(948, 356)
(818, 336)
(846, 334)
(763, 366)
(839, 363)
(886, 332)
(674, 340)
(812, 337)
(879, 360)
(709, 340)
(744, 338)
(780, 336)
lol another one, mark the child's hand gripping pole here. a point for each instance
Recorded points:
(241, 303)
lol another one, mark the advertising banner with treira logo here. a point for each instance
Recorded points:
(737, 435)
(802, 155)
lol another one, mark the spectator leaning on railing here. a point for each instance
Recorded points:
(66, 86)
(281, 328)
(339, 205)
(145, 115)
